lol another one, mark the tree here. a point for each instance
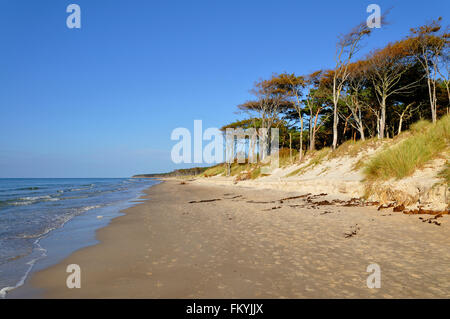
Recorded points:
(270, 102)
(428, 45)
(444, 69)
(404, 112)
(316, 102)
(356, 95)
(292, 86)
(346, 47)
(385, 70)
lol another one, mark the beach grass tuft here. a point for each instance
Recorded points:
(426, 142)
(315, 158)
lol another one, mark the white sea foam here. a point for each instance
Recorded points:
(24, 201)
(85, 209)
(30, 264)
(35, 197)
(56, 219)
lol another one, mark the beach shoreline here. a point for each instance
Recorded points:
(74, 234)
(189, 240)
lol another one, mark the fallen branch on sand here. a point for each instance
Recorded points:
(276, 207)
(425, 211)
(385, 206)
(204, 200)
(237, 196)
(256, 202)
(432, 220)
(296, 197)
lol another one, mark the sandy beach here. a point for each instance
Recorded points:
(189, 240)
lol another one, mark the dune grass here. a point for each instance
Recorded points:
(214, 170)
(353, 148)
(284, 157)
(411, 150)
(426, 142)
(445, 173)
(315, 158)
(250, 170)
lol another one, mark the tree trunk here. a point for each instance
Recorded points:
(361, 132)
(301, 139)
(378, 127)
(311, 144)
(345, 128)
(335, 126)
(290, 147)
(400, 125)
(432, 95)
(383, 118)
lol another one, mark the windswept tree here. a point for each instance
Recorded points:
(444, 69)
(428, 44)
(241, 139)
(346, 48)
(293, 86)
(385, 69)
(270, 102)
(356, 95)
(379, 95)
(316, 100)
(404, 112)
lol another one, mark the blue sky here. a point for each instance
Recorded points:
(103, 100)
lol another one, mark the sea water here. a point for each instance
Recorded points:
(36, 216)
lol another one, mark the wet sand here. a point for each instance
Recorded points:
(245, 243)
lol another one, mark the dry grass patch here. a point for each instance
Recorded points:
(427, 141)
(315, 158)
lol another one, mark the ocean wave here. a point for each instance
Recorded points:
(30, 264)
(32, 188)
(79, 189)
(35, 197)
(85, 209)
(60, 223)
(49, 216)
(24, 201)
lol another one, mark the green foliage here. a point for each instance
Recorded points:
(176, 173)
(419, 126)
(214, 170)
(256, 173)
(284, 156)
(426, 142)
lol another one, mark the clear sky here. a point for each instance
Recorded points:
(103, 100)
